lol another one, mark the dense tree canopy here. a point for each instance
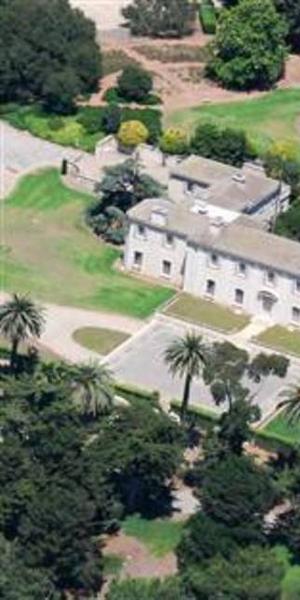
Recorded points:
(48, 52)
(160, 18)
(290, 10)
(64, 480)
(252, 574)
(249, 46)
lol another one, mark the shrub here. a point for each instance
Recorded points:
(111, 119)
(134, 84)
(174, 141)
(208, 18)
(91, 119)
(151, 118)
(132, 133)
(160, 18)
(225, 145)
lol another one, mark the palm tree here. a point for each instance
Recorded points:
(92, 388)
(186, 357)
(291, 403)
(20, 318)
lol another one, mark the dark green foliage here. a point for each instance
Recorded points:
(122, 187)
(225, 145)
(147, 589)
(160, 18)
(48, 53)
(64, 480)
(204, 538)
(134, 83)
(288, 223)
(249, 46)
(252, 574)
(111, 119)
(139, 454)
(234, 426)
(91, 118)
(290, 10)
(238, 494)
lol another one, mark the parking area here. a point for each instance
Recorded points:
(141, 362)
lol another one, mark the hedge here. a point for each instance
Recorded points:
(130, 391)
(204, 417)
(208, 17)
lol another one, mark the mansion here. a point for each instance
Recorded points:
(211, 238)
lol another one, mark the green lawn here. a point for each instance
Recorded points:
(287, 431)
(70, 132)
(49, 252)
(204, 312)
(160, 535)
(273, 116)
(281, 339)
(99, 340)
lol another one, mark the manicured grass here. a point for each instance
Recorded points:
(284, 429)
(99, 340)
(203, 312)
(49, 252)
(67, 131)
(281, 339)
(160, 535)
(273, 116)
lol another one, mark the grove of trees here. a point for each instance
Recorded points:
(48, 53)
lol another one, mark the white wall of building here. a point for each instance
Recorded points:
(227, 278)
(155, 249)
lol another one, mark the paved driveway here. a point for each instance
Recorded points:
(20, 152)
(140, 361)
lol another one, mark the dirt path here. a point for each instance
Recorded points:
(138, 561)
(181, 84)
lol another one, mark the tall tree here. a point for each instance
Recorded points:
(48, 53)
(20, 319)
(186, 357)
(249, 48)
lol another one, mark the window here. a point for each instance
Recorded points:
(189, 186)
(214, 260)
(270, 277)
(169, 240)
(296, 314)
(141, 231)
(242, 269)
(297, 286)
(137, 260)
(210, 287)
(239, 296)
(166, 268)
